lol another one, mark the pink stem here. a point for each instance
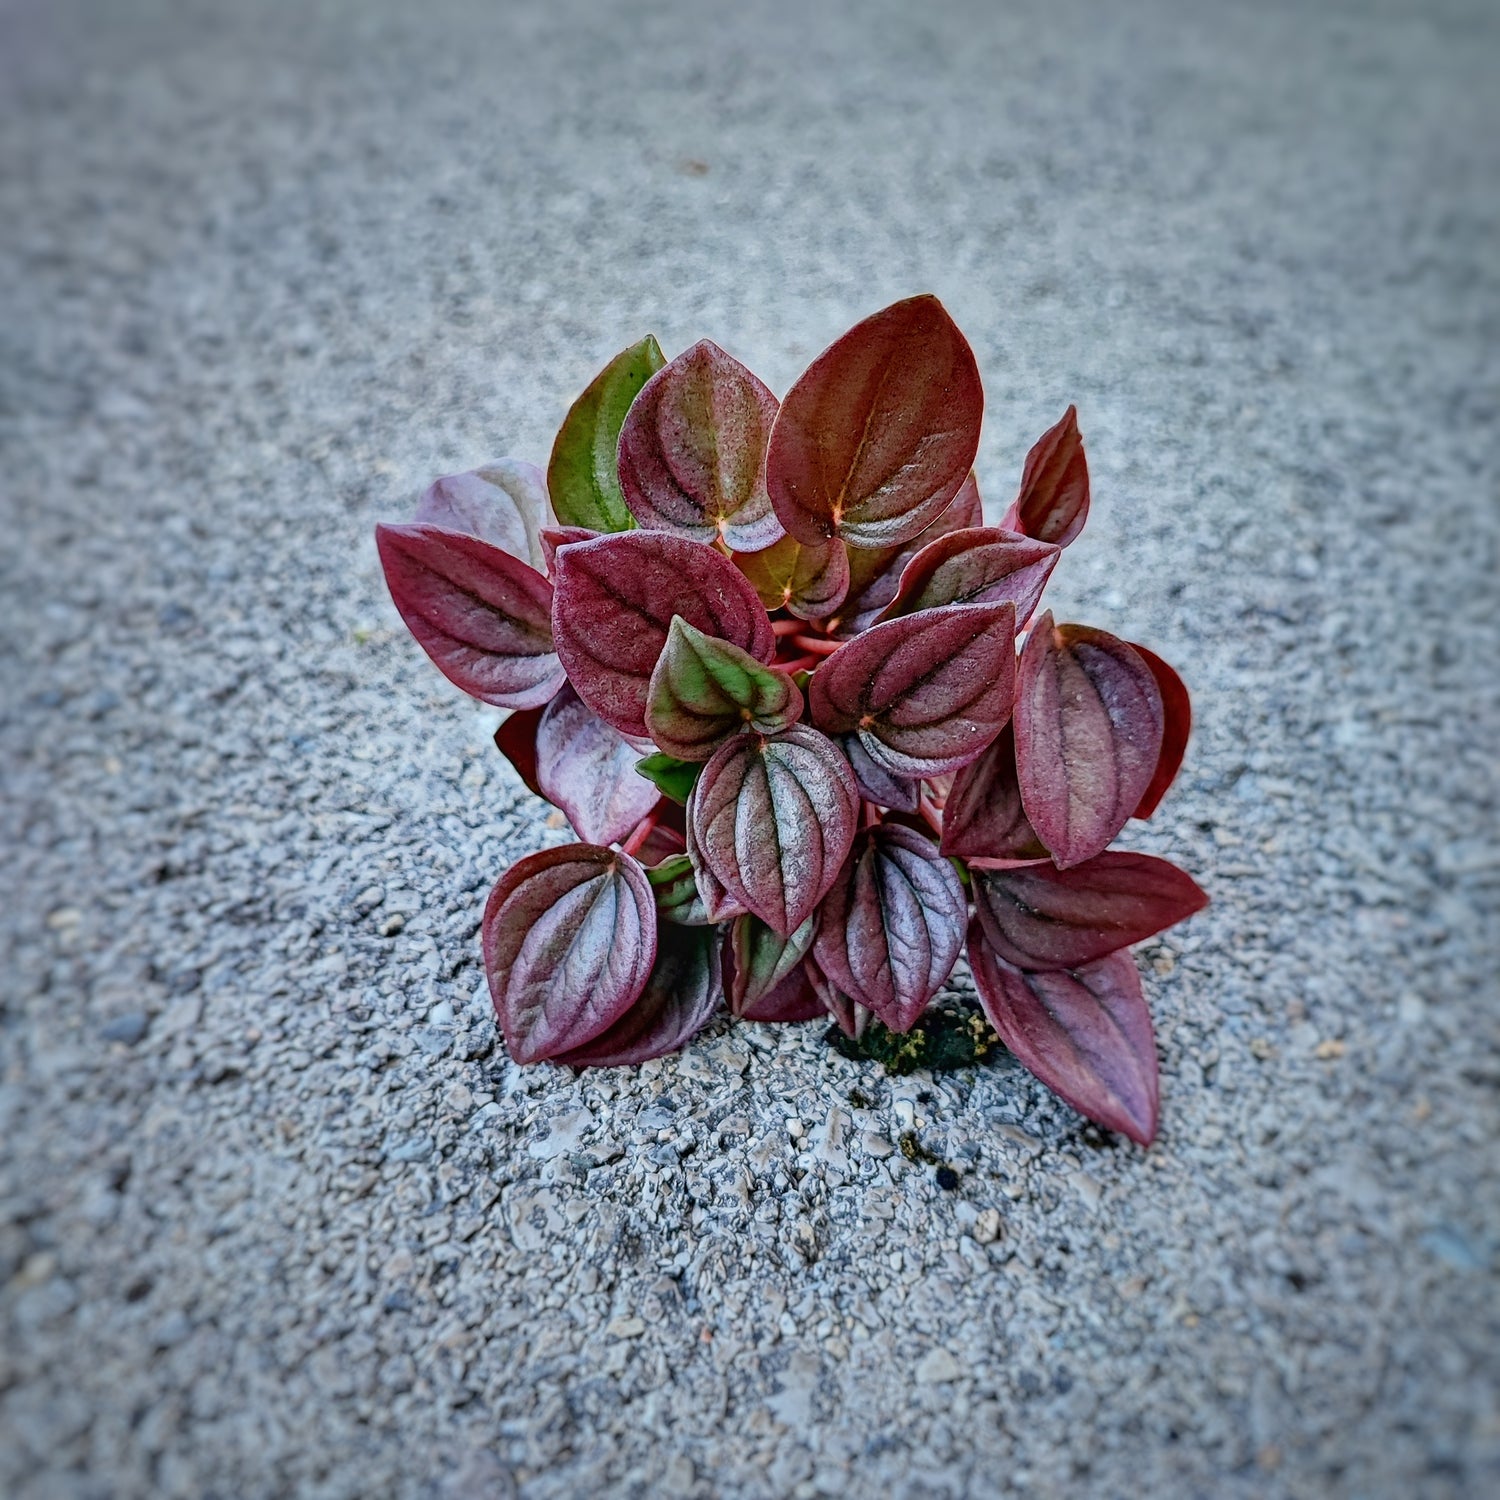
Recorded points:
(931, 812)
(818, 645)
(640, 834)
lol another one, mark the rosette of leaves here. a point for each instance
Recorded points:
(799, 705)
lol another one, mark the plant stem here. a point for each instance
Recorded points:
(641, 832)
(817, 644)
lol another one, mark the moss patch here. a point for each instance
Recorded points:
(951, 1034)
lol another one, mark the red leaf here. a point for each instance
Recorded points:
(615, 599)
(1045, 918)
(875, 783)
(679, 1000)
(1177, 714)
(982, 565)
(482, 615)
(587, 768)
(892, 926)
(1085, 1033)
(983, 817)
(569, 939)
(874, 440)
(875, 575)
(515, 739)
(794, 999)
(554, 537)
(853, 1018)
(1088, 736)
(925, 693)
(772, 818)
(505, 504)
(1054, 499)
(719, 905)
(692, 451)
(809, 582)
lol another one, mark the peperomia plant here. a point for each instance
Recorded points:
(765, 658)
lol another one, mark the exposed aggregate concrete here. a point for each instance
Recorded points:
(277, 1216)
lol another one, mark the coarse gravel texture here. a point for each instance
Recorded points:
(277, 1216)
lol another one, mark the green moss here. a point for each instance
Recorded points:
(951, 1034)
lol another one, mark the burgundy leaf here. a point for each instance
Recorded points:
(1177, 716)
(793, 999)
(925, 693)
(1054, 499)
(875, 574)
(692, 451)
(760, 959)
(981, 565)
(852, 1017)
(504, 503)
(615, 599)
(772, 820)
(1045, 918)
(1086, 1033)
(483, 616)
(679, 1000)
(569, 940)
(718, 904)
(662, 843)
(1088, 736)
(876, 783)
(554, 537)
(515, 739)
(587, 768)
(892, 926)
(983, 817)
(807, 581)
(703, 690)
(874, 440)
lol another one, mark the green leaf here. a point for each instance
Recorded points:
(704, 689)
(583, 476)
(676, 889)
(673, 778)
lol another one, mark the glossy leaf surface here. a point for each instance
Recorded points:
(1085, 1033)
(772, 819)
(876, 437)
(875, 783)
(483, 616)
(678, 1001)
(614, 602)
(503, 503)
(1041, 917)
(925, 693)
(892, 926)
(1088, 736)
(983, 817)
(515, 739)
(569, 939)
(692, 451)
(1177, 726)
(676, 889)
(760, 959)
(793, 999)
(703, 690)
(671, 777)
(980, 565)
(1054, 500)
(719, 904)
(587, 768)
(582, 476)
(809, 581)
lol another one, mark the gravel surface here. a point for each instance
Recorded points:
(277, 1217)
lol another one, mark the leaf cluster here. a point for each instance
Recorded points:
(800, 707)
